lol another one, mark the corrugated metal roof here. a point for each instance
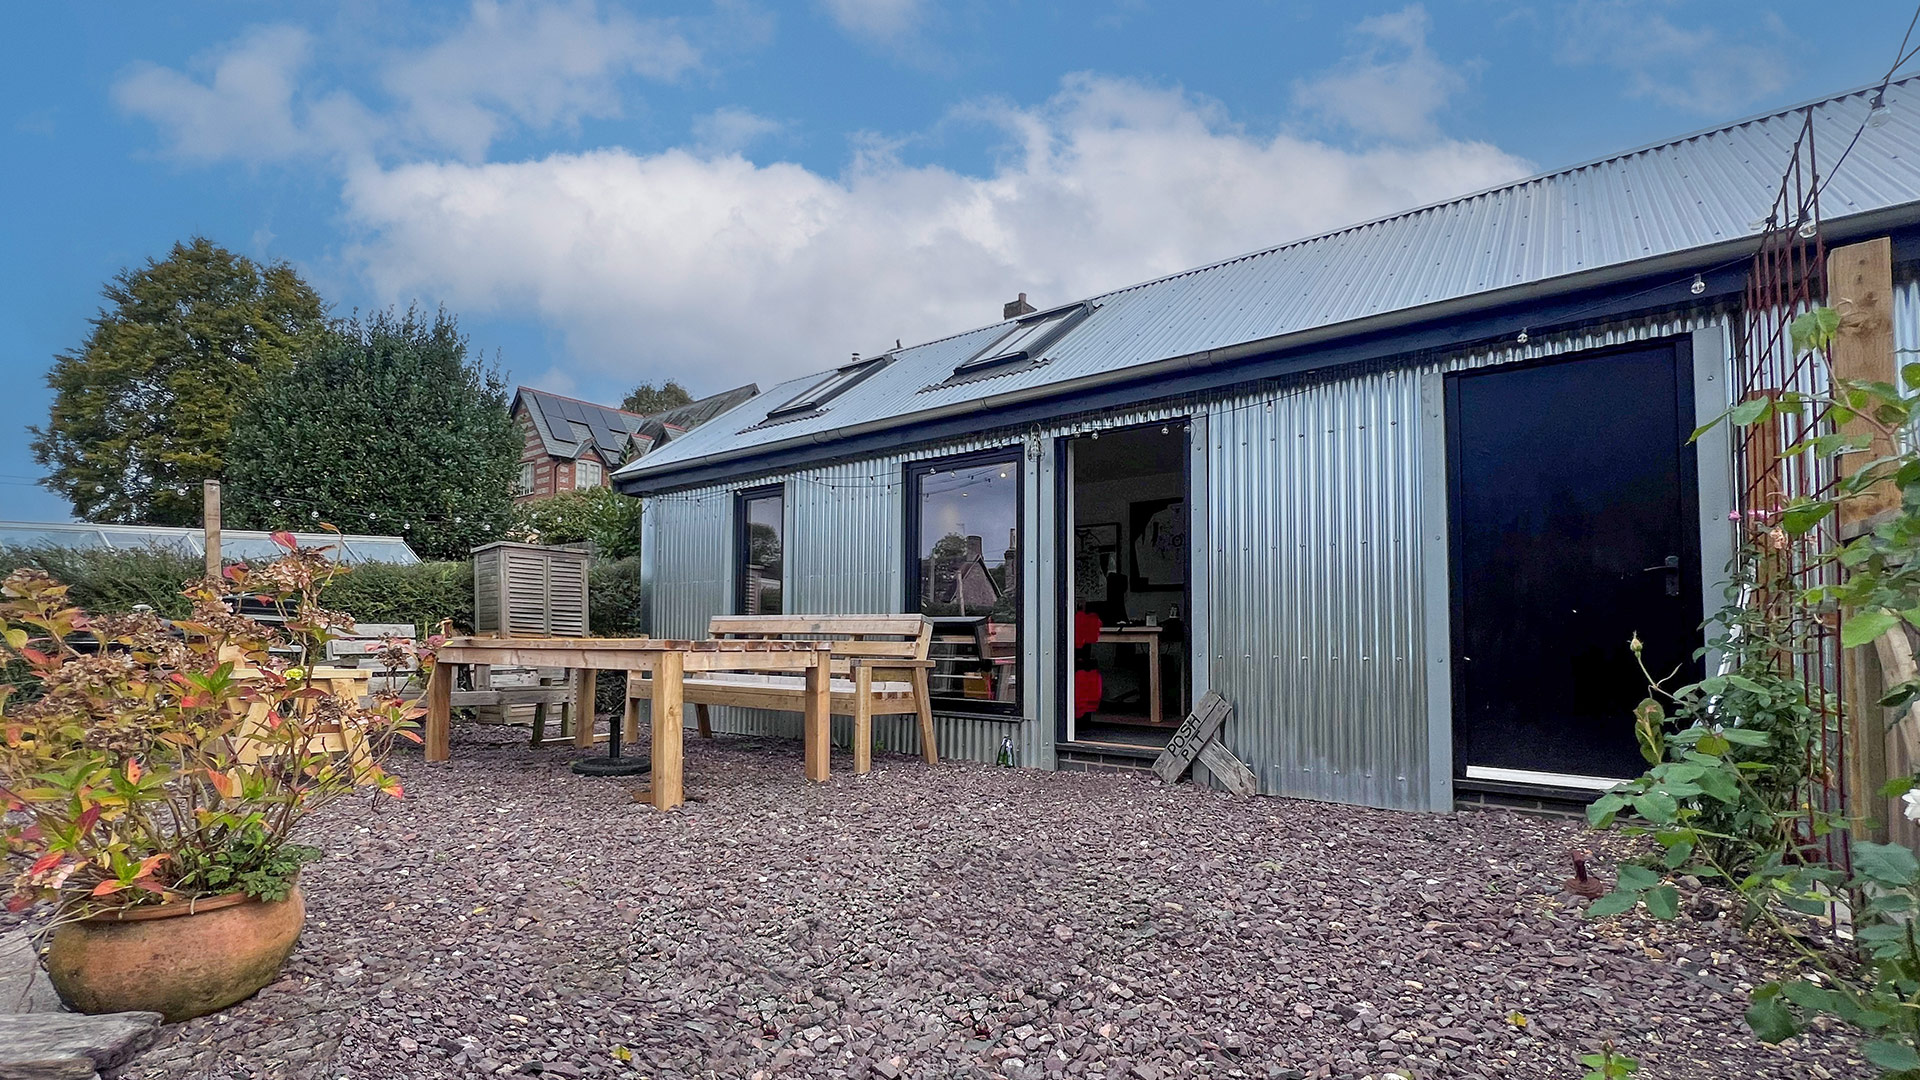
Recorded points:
(235, 544)
(1693, 192)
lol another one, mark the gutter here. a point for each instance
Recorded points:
(1716, 261)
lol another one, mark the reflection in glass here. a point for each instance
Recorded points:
(969, 555)
(761, 540)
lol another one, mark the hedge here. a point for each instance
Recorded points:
(114, 581)
(422, 594)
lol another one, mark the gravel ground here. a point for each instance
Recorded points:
(960, 921)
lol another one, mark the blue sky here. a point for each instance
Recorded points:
(747, 191)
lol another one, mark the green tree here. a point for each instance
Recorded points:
(142, 411)
(647, 399)
(388, 427)
(603, 517)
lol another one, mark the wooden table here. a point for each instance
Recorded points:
(667, 660)
(1148, 636)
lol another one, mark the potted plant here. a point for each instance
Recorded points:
(155, 777)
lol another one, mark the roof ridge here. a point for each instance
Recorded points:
(1510, 185)
(525, 389)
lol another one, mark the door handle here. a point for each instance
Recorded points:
(1670, 567)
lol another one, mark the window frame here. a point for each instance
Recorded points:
(1013, 455)
(995, 359)
(815, 398)
(523, 483)
(599, 472)
(742, 531)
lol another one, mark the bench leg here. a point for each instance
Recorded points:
(700, 717)
(818, 733)
(539, 724)
(925, 707)
(667, 792)
(587, 681)
(631, 722)
(862, 718)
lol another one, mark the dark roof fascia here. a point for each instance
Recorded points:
(1723, 267)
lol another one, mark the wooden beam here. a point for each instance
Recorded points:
(210, 523)
(631, 716)
(1860, 291)
(667, 736)
(439, 734)
(923, 706)
(1229, 769)
(588, 684)
(862, 718)
(817, 721)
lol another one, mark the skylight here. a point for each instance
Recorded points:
(814, 398)
(1023, 344)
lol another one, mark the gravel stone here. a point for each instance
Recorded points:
(509, 916)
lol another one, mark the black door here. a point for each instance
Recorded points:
(1575, 527)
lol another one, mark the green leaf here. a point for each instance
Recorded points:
(1713, 744)
(1720, 786)
(1750, 411)
(1865, 626)
(1612, 903)
(1601, 811)
(1896, 787)
(1815, 329)
(1744, 736)
(1676, 856)
(1637, 878)
(1656, 806)
(1771, 1021)
(1886, 864)
(1800, 520)
(1891, 1056)
(1649, 727)
(1663, 902)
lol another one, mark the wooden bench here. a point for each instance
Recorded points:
(879, 669)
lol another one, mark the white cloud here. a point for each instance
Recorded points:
(879, 20)
(731, 129)
(1392, 86)
(713, 269)
(246, 106)
(538, 65)
(512, 64)
(1713, 71)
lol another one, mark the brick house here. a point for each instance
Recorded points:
(567, 444)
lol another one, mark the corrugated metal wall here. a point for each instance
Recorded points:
(1315, 610)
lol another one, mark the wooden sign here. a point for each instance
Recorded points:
(1199, 728)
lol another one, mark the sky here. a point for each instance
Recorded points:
(744, 191)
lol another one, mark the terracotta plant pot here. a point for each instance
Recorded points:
(173, 961)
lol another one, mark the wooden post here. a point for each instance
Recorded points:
(589, 682)
(631, 730)
(1860, 291)
(668, 668)
(210, 522)
(439, 734)
(924, 708)
(862, 717)
(817, 733)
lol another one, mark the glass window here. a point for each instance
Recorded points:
(586, 473)
(964, 573)
(525, 487)
(759, 551)
(829, 386)
(1026, 341)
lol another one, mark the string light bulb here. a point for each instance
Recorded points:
(1522, 337)
(1165, 430)
(1879, 116)
(1808, 228)
(1699, 285)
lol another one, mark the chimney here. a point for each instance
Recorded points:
(973, 549)
(1016, 308)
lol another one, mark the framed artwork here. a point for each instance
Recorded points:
(1157, 542)
(1096, 553)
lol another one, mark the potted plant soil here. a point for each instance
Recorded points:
(155, 777)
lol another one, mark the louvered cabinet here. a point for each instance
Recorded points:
(529, 590)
